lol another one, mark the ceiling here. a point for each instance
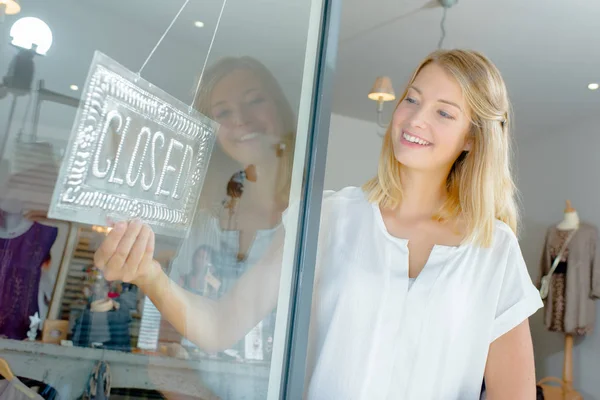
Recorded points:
(546, 49)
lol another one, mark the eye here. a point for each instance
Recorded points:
(410, 100)
(444, 114)
(222, 114)
(257, 100)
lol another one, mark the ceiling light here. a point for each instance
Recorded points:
(74, 87)
(199, 24)
(593, 86)
(12, 7)
(31, 33)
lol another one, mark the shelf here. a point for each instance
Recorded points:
(67, 369)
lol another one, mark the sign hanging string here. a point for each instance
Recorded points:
(212, 41)
(163, 36)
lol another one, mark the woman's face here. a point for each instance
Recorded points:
(430, 126)
(251, 126)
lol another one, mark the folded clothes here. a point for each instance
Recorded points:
(109, 330)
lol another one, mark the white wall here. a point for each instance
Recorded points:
(352, 152)
(554, 166)
(551, 167)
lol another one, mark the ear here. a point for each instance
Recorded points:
(468, 144)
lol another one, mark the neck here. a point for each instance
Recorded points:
(423, 193)
(261, 194)
(9, 220)
(570, 221)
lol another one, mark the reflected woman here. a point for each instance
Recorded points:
(248, 182)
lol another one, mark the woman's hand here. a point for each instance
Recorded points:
(126, 254)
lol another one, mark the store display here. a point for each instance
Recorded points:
(569, 285)
(24, 246)
(55, 331)
(33, 326)
(575, 282)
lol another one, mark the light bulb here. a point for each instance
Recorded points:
(30, 32)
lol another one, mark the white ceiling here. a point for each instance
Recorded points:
(547, 49)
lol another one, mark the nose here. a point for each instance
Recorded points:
(417, 119)
(242, 115)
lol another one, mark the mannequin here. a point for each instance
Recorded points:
(570, 223)
(24, 247)
(12, 221)
(571, 219)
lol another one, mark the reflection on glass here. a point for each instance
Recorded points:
(47, 264)
(228, 321)
(251, 171)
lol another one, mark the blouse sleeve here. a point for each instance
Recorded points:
(518, 298)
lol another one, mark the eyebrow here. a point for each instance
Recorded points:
(245, 93)
(451, 103)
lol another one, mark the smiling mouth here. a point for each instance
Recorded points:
(247, 137)
(414, 139)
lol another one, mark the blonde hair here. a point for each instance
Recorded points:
(223, 68)
(480, 187)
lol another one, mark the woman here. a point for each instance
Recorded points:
(421, 291)
(250, 173)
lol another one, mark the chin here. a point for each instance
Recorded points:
(257, 158)
(412, 161)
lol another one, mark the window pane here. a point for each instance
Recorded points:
(203, 316)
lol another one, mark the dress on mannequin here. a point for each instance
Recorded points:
(570, 307)
(24, 246)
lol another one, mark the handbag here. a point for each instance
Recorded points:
(545, 283)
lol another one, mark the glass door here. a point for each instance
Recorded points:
(200, 124)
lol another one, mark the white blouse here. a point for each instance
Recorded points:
(372, 338)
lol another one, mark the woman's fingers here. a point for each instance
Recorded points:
(109, 245)
(126, 250)
(136, 255)
(119, 257)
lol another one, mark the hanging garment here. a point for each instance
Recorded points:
(558, 286)
(47, 392)
(16, 390)
(98, 387)
(21, 258)
(570, 306)
(110, 329)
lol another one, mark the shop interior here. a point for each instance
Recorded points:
(545, 50)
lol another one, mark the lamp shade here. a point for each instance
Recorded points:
(382, 89)
(12, 6)
(29, 33)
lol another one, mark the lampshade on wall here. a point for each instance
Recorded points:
(381, 92)
(382, 89)
(12, 7)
